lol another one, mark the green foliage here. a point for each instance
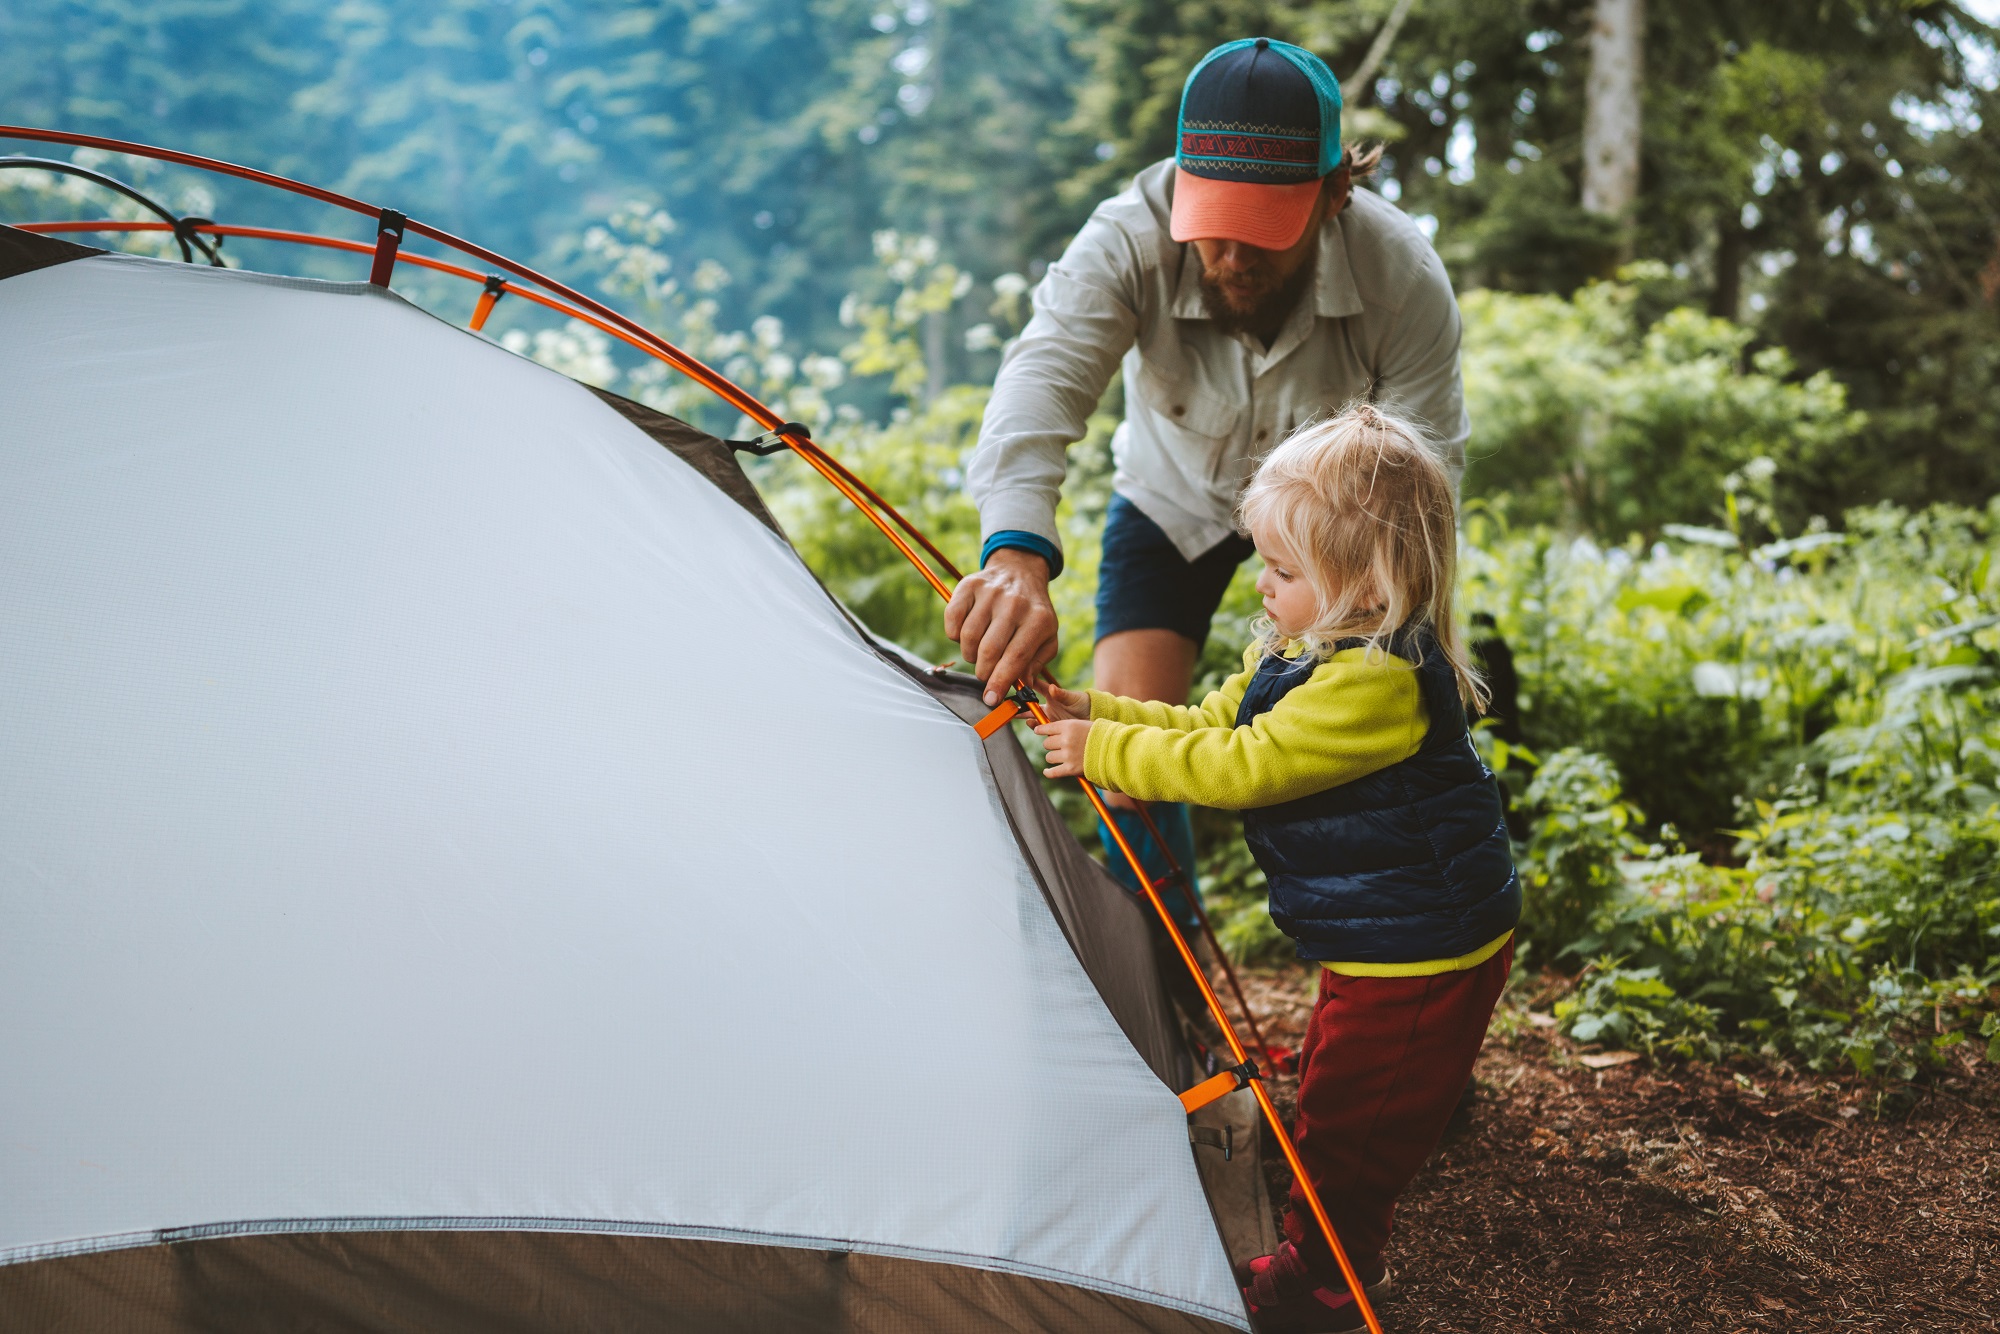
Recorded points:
(781, 133)
(1585, 415)
(1632, 1007)
(1581, 829)
(1707, 672)
(1852, 717)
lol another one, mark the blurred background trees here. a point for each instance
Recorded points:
(1817, 172)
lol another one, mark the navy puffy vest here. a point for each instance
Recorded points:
(1405, 864)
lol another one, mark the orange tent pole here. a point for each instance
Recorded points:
(1175, 871)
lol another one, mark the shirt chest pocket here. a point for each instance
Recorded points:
(1182, 398)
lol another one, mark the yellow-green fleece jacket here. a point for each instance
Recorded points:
(1360, 711)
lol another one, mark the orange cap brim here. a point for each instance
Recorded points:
(1270, 217)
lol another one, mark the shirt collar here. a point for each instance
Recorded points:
(1334, 294)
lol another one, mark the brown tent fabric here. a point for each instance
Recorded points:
(530, 1282)
(706, 454)
(24, 252)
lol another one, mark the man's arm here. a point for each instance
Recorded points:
(1417, 373)
(1086, 315)
(1050, 382)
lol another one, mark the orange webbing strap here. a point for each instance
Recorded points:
(1218, 1086)
(999, 718)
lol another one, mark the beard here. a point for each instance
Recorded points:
(1270, 299)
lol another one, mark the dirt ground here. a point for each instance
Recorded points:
(1688, 1197)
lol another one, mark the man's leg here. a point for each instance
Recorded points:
(1153, 610)
(1149, 664)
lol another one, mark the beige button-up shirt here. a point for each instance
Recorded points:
(1201, 407)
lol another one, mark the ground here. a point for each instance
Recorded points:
(1689, 1197)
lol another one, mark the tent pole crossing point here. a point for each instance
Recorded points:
(391, 228)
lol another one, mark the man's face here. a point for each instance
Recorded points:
(1244, 287)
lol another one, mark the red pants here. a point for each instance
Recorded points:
(1383, 1064)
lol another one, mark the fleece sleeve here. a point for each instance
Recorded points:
(1350, 718)
(1218, 710)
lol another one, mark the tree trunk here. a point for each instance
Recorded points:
(1732, 251)
(1358, 84)
(1611, 107)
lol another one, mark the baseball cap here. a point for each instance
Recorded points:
(1259, 127)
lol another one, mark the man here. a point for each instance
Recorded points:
(1247, 288)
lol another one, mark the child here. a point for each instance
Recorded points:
(1344, 743)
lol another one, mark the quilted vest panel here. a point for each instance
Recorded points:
(1408, 863)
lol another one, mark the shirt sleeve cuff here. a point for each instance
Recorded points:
(1020, 540)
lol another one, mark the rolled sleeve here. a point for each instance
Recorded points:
(1050, 381)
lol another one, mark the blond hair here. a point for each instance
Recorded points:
(1369, 513)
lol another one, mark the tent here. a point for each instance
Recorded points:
(460, 871)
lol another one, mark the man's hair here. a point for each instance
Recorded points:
(1360, 162)
(1367, 510)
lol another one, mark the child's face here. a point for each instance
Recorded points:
(1289, 599)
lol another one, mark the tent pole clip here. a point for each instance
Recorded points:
(489, 297)
(1012, 705)
(388, 239)
(773, 440)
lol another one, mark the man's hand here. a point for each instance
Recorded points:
(1064, 743)
(1003, 620)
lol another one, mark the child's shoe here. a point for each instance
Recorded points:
(1284, 1297)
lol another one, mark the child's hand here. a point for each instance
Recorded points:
(1065, 704)
(1065, 741)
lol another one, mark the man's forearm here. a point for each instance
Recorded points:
(1049, 384)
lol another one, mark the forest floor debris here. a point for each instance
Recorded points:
(1688, 1197)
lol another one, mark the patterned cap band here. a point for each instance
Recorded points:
(1261, 113)
(1272, 153)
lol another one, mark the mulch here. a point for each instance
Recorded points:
(1687, 1196)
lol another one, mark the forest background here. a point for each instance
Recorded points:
(1734, 457)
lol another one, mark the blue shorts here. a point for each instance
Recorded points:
(1144, 583)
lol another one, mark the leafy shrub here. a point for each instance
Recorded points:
(1632, 1007)
(1569, 867)
(1590, 415)
(1710, 671)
